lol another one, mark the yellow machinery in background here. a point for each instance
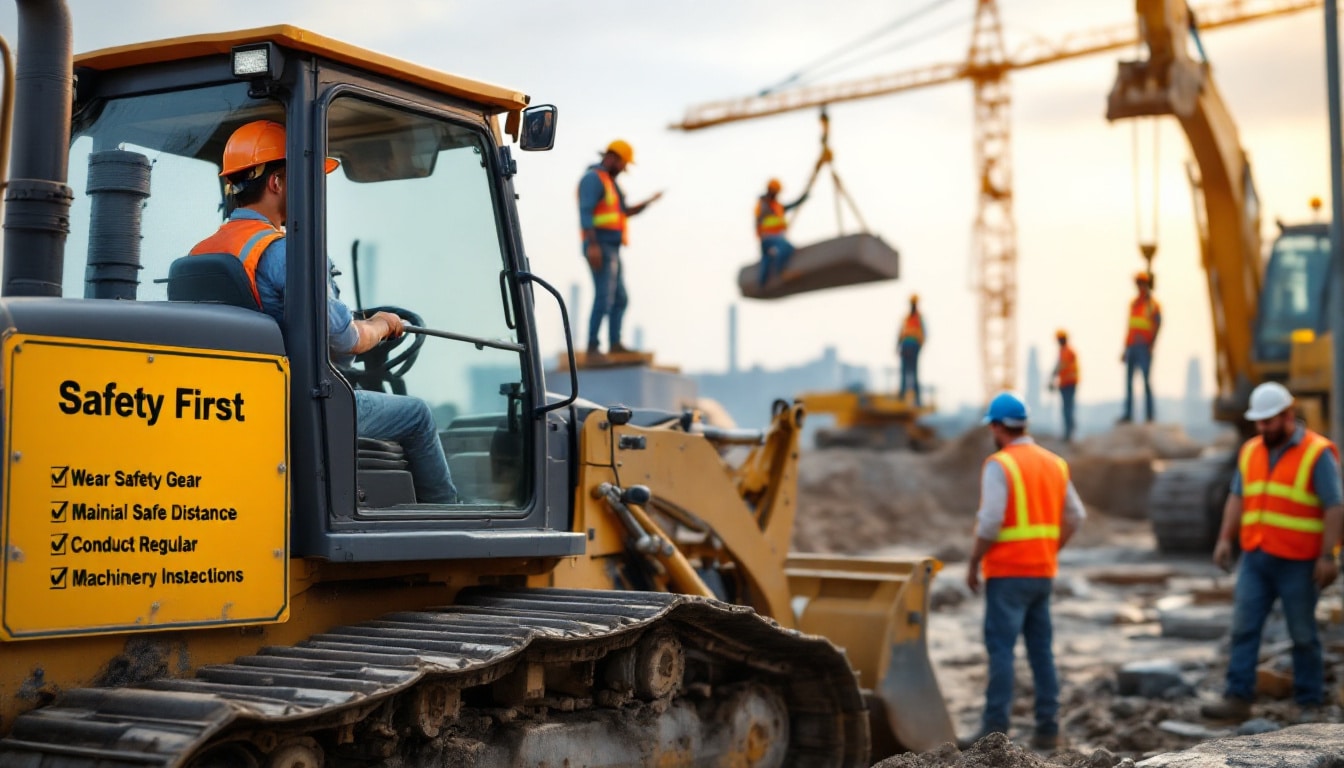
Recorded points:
(1268, 311)
(206, 566)
(869, 420)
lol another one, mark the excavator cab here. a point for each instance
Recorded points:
(1295, 292)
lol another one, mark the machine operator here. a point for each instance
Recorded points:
(254, 170)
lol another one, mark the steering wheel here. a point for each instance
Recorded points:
(379, 366)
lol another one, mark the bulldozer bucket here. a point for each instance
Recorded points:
(877, 610)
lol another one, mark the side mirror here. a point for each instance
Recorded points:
(539, 128)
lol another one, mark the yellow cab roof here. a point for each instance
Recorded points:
(287, 36)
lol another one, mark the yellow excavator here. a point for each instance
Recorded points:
(1269, 312)
(206, 566)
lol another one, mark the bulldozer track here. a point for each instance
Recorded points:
(1185, 503)
(358, 694)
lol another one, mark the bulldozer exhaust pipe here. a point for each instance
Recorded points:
(37, 199)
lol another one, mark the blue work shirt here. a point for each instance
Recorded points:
(591, 193)
(341, 332)
(1324, 476)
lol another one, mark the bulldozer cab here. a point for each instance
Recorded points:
(418, 219)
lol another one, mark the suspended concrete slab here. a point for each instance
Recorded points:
(847, 260)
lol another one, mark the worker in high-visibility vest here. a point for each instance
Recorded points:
(1028, 511)
(1286, 510)
(770, 228)
(1065, 379)
(1145, 319)
(909, 342)
(602, 221)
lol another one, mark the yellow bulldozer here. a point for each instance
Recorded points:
(205, 565)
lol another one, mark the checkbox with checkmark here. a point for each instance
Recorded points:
(58, 577)
(58, 510)
(58, 543)
(58, 476)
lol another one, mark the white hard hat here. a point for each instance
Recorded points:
(1268, 400)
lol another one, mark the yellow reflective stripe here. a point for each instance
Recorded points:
(1304, 470)
(1022, 529)
(1140, 323)
(1287, 522)
(1253, 489)
(1063, 467)
(600, 219)
(1023, 533)
(772, 221)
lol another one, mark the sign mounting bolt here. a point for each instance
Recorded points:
(281, 468)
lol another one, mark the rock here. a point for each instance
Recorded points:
(1102, 758)
(1071, 586)
(1196, 622)
(1149, 679)
(1191, 730)
(951, 553)
(1126, 707)
(1302, 746)
(1273, 682)
(1141, 738)
(948, 593)
(1135, 574)
(1257, 725)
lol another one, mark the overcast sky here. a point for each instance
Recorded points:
(628, 69)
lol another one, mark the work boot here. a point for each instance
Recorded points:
(593, 351)
(1046, 741)
(618, 348)
(1229, 709)
(1310, 713)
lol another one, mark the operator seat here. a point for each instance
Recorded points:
(383, 478)
(215, 278)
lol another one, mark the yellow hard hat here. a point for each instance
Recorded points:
(256, 144)
(623, 150)
(773, 185)
(914, 298)
(1061, 334)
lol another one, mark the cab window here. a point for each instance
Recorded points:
(412, 228)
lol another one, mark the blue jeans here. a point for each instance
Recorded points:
(1138, 357)
(910, 371)
(407, 420)
(609, 299)
(775, 253)
(1019, 606)
(1260, 580)
(1066, 400)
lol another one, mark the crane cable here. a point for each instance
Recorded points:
(841, 194)
(849, 48)
(1148, 247)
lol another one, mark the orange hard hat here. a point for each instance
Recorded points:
(623, 150)
(255, 144)
(1143, 277)
(773, 185)
(1061, 334)
(914, 298)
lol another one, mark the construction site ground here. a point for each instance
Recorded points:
(1140, 637)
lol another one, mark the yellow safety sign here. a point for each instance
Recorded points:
(144, 487)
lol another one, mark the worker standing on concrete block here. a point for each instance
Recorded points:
(770, 228)
(908, 344)
(1145, 319)
(1065, 379)
(1028, 511)
(1287, 509)
(602, 216)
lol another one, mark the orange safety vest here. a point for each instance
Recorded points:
(1280, 512)
(1028, 542)
(770, 218)
(1143, 320)
(1068, 366)
(609, 213)
(246, 239)
(913, 328)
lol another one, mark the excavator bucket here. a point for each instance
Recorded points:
(848, 260)
(877, 610)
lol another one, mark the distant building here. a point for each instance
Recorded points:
(747, 394)
(1033, 393)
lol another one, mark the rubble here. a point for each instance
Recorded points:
(1149, 679)
(1302, 746)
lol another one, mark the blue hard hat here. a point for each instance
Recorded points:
(1006, 409)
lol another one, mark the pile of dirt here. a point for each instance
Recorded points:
(996, 751)
(853, 500)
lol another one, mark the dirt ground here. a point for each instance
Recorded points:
(1117, 600)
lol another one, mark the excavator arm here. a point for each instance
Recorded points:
(1171, 82)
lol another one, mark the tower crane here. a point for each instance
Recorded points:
(986, 66)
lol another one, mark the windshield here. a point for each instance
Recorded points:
(1294, 293)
